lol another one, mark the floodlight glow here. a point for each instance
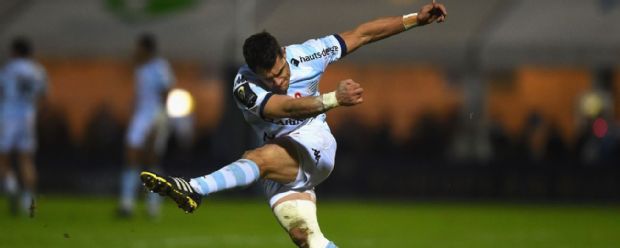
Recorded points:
(179, 103)
(592, 105)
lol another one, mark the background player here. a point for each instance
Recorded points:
(147, 134)
(24, 82)
(277, 91)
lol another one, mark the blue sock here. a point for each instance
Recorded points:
(242, 172)
(129, 186)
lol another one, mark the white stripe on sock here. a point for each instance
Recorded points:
(196, 185)
(230, 179)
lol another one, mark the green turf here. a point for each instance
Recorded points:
(89, 222)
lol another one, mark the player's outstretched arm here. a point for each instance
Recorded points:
(348, 93)
(387, 26)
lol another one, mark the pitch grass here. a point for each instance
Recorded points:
(90, 222)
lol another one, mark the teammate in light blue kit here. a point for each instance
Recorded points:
(278, 93)
(23, 83)
(147, 134)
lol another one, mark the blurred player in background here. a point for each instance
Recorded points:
(278, 94)
(23, 83)
(148, 132)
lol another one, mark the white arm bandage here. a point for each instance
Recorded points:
(410, 20)
(329, 100)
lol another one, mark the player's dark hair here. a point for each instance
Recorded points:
(21, 47)
(261, 51)
(148, 42)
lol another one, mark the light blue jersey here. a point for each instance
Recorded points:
(23, 82)
(307, 62)
(153, 78)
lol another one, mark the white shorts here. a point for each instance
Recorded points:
(18, 134)
(145, 122)
(316, 151)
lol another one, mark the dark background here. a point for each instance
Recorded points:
(499, 102)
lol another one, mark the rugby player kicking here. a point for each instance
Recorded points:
(278, 93)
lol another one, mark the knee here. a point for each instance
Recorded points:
(254, 155)
(299, 236)
(260, 156)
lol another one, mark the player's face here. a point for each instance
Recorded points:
(278, 77)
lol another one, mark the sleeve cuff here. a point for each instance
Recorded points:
(263, 103)
(343, 45)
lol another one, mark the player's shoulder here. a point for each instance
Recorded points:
(159, 63)
(246, 76)
(16, 64)
(162, 60)
(306, 47)
(36, 66)
(311, 51)
(321, 42)
(22, 66)
(247, 87)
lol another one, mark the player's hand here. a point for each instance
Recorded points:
(432, 12)
(349, 93)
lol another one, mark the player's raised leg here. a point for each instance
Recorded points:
(273, 161)
(187, 193)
